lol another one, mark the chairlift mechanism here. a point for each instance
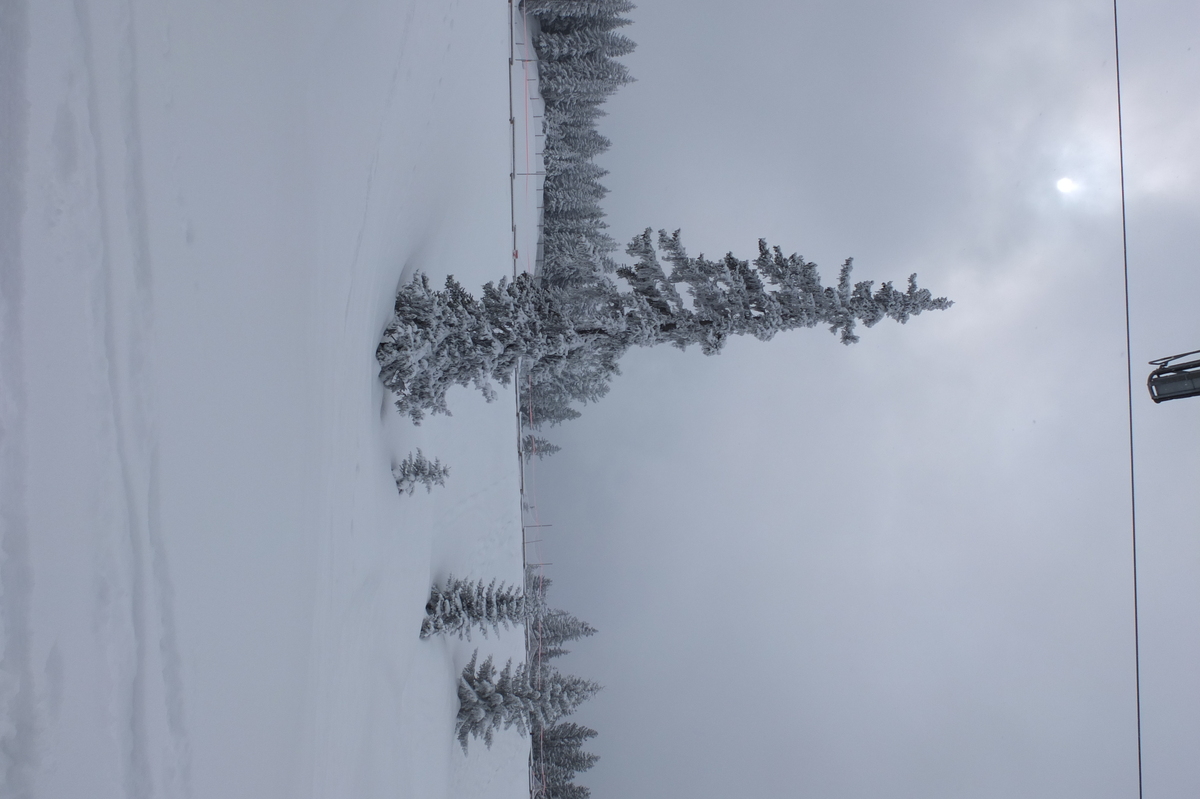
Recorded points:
(1171, 381)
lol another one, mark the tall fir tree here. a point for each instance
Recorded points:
(459, 606)
(547, 628)
(557, 755)
(438, 339)
(581, 81)
(532, 445)
(576, 43)
(581, 43)
(491, 700)
(564, 16)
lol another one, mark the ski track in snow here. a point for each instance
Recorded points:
(401, 47)
(17, 713)
(127, 335)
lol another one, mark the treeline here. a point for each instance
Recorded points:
(534, 696)
(557, 753)
(577, 42)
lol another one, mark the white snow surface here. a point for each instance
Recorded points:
(209, 584)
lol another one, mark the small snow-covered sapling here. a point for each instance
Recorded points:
(417, 469)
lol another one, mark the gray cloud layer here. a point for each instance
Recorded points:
(900, 568)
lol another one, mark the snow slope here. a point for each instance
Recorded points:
(209, 586)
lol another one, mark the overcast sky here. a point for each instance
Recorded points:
(900, 568)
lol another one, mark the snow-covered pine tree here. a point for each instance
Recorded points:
(557, 756)
(568, 145)
(549, 407)
(571, 132)
(458, 606)
(537, 585)
(490, 700)
(573, 187)
(564, 16)
(547, 628)
(576, 46)
(553, 628)
(562, 745)
(532, 445)
(578, 173)
(581, 81)
(415, 470)
(568, 791)
(577, 252)
(434, 342)
(581, 43)
(438, 339)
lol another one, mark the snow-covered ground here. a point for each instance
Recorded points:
(209, 586)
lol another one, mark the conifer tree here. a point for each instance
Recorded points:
(491, 700)
(581, 43)
(533, 445)
(417, 469)
(562, 744)
(563, 16)
(547, 628)
(556, 627)
(576, 46)
(568, 791)
(576, 252)
(581, 81)
(459, 606)
(557, 756)
(574, 339)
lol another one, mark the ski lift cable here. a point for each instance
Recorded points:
(1137, 665)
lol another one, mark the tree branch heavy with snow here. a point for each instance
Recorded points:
(569, 341)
